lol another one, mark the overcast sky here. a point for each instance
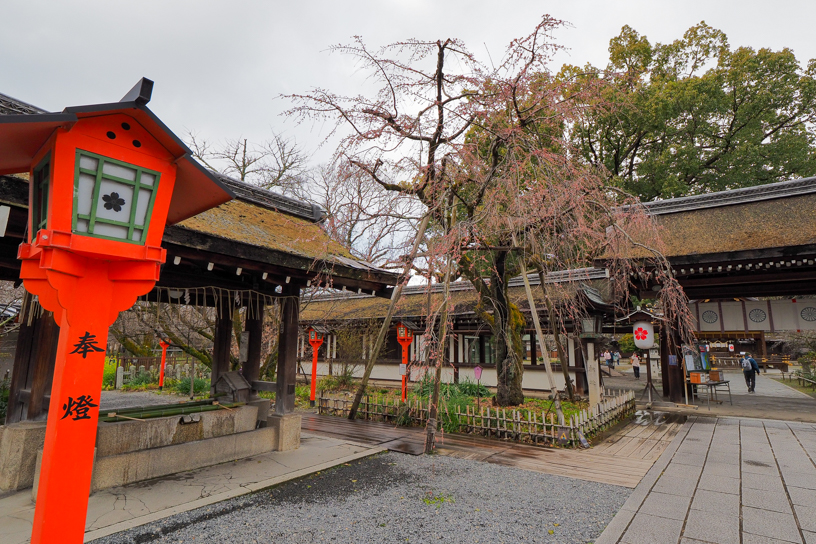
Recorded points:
(220, 66)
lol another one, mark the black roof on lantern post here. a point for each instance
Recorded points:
(196, 189)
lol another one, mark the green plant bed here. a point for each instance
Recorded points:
(302, 394)
(5, 390)
(459, 398)
(182, 386)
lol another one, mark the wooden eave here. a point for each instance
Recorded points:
(205, 260)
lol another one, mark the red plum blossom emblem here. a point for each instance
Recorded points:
(641, 333)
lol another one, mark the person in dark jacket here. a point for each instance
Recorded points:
(750, 369)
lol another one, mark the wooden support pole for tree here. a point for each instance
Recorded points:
(562, 356)
(540, 334)
(433, 409)
(386, 324)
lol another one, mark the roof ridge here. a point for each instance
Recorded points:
(756, 193)
(11, 105)
(273, 201)
(558, 276)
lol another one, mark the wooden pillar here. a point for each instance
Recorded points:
(673, 376)
(254, 326)
(482, 359)
(43, 360)
(287, 350)
(22, 359)
(533, 347)
(33, 368)
(454, 340)
(664, 363)
(222, 342)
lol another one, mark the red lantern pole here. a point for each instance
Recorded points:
(164, 345)
(316, 341)
(65, 283)
(405, 363)
(314, 375)
(404, 337)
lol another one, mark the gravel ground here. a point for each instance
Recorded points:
(400, 498)
(113, 400)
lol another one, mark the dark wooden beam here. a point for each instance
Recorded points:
(222, 342)
(772, 276)
(265, 257)
(254, 326)
(22, 361)
(738, 257)
(41, 371)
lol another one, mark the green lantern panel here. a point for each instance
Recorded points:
(112, 199)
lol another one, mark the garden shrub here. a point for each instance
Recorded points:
(109, 376)
(200, 386)
(5, 391)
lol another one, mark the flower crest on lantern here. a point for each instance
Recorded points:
(643, 331)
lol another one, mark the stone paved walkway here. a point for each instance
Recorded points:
(726, 481)
(772, 400)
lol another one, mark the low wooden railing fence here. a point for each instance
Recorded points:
(802, 380)
(519, 425)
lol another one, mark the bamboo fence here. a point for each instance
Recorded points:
(519, 425)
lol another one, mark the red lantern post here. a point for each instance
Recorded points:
(164, 345)
(404, 336)
(315, 340)
(101, 190)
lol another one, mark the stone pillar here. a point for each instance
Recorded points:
(593, 372)
(287, 350)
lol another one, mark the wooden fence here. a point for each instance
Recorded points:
(802, 380)
(519, 425)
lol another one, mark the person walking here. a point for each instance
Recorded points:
(636, 365)
(750, 369)
(607, 358)
(616, 357)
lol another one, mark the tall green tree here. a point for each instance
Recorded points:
(695, 115)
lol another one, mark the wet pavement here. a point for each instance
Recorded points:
(726, 481)
(772, 400)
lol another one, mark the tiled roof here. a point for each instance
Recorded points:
(414, 301)
(10, 106)
(561, 276)
(804, 186)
